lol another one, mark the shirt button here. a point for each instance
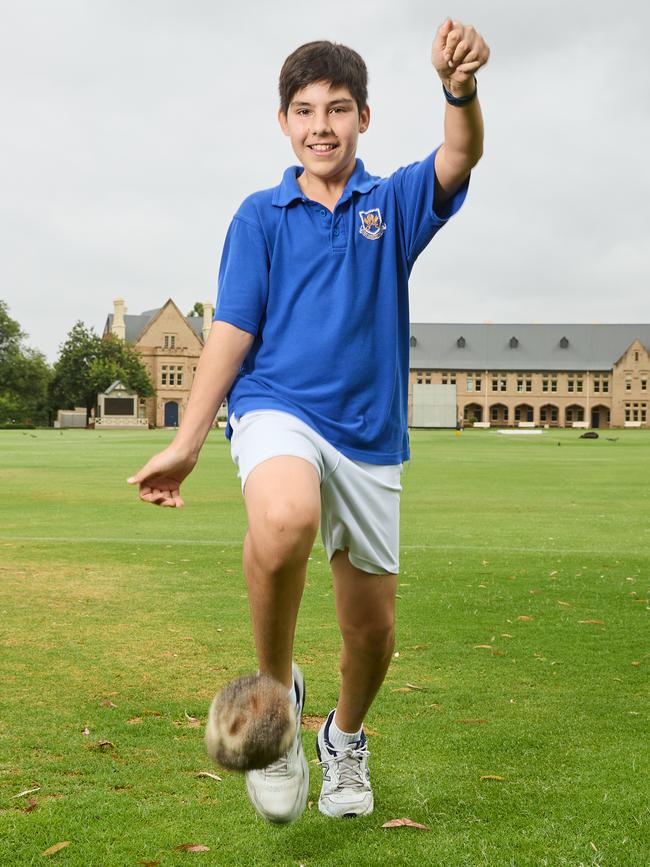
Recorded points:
(323, 213)
(336, 231)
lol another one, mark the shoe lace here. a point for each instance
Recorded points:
(348, 766)
(278, 768)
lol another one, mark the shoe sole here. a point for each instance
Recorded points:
(349, 814)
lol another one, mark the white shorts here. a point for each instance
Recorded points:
(359, 501)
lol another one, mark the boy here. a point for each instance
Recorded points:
(310, 342)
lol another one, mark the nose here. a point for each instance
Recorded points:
(320, 124)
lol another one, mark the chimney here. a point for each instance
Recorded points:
(119, 328)
(208, 313)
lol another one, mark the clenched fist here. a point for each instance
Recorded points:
(458, 52)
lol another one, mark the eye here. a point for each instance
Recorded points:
(302, 112)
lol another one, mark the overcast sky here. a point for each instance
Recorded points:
(130, 131)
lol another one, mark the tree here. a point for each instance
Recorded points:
(88, 364)
(24, 376)
(197, 310)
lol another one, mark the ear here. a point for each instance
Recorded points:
(364, 119)
(282, 120)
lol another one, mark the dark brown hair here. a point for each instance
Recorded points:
(324, 61)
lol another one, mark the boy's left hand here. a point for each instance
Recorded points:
(458, 52)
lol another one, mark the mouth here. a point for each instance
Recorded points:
(321, 148)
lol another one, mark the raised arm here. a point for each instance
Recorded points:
(224, 351)
(458, 53)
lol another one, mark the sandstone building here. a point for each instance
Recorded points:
(170, 345)
(555, 375)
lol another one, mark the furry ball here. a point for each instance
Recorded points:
(251, 723)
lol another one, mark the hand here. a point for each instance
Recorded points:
(458, 52)
(161, 477)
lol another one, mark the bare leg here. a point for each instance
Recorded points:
(283, 506)
(365, 605)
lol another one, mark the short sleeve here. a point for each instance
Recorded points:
(415, 189)
(243, 277)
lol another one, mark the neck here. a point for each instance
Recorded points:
(327, 191)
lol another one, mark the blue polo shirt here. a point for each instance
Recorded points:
(326, 296)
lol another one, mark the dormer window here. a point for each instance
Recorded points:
(413, 341)
(460, 343)
(514, 343)
(564, 343)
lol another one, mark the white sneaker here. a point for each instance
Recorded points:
(346, 790)
(279, 791)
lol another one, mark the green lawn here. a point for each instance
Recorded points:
(523, 620)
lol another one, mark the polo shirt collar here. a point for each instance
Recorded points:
(289, 191)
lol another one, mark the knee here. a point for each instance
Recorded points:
(287, 533)
(376, 639)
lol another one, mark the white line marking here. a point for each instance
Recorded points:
(227, 543)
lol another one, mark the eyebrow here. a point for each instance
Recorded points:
(343, 100)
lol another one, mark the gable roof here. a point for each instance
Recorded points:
(535, 347)
(135, 326)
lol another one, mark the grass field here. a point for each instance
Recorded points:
(523, 621)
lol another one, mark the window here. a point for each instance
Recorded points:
(179, 375)
(596, 384)
(579, 383)
(636, 412)
(564, 343)
(172, 374)
(478, 381)
(644, 383)
(499, 383)
(636, 356)
(605, 382)
(570, 383)
(460, 343)
(544, 413)
(419, 377)
(554, 383)
(575, 413)
(529, 383)
(514, 343)
(448, 378)
(628, 382)
(163, 375)
(169, 341)
(470, 384)
(494, 414)
(520, 384)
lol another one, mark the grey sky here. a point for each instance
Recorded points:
(132, 130)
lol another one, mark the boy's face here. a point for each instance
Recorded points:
(323, 123)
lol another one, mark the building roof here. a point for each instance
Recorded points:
(135, 325)
(463, 346)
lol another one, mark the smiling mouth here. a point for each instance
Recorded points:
(322, 148)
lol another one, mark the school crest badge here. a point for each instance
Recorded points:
(372, 226)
